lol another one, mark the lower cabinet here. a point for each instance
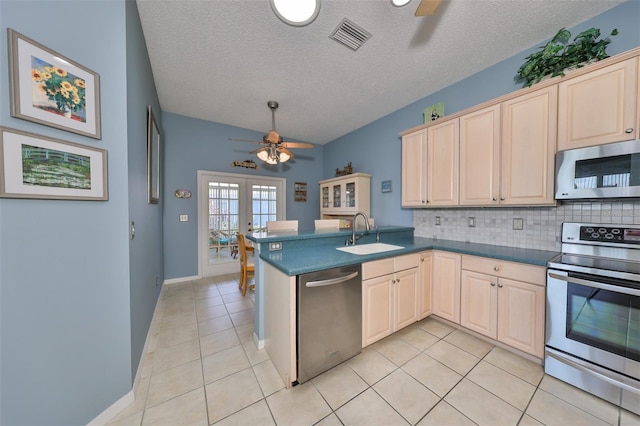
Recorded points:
(425, 287)
(446, 286)
(389, 296)
(504, 301)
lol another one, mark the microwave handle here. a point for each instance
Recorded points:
(594, 284)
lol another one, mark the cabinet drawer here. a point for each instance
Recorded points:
(407, 261)
(377, 268)
(504, 269)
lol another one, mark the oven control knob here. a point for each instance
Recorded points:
(615, 231)
(609, 236)
(595, 235)
(590, 230)
(602, 230)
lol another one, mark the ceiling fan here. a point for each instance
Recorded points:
(427, 7)
(274, 150)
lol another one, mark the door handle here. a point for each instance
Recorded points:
(332, 281)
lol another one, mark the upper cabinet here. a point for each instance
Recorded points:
(528, 148)
(414, 175)
(430, 166)
(345, 195)
(599, 107)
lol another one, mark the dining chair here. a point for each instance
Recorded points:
(327, 223)
(247, 268)
(282, 225)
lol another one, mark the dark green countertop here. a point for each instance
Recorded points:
(316, 250)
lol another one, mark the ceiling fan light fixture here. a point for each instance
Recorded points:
(284, 155)
(400, 3)
(296, 12)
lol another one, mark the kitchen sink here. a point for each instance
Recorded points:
(373, 248)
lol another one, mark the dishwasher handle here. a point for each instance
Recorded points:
(332, 281)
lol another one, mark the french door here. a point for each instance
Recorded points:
(230, 203)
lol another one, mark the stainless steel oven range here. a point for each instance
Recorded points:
(593, 312)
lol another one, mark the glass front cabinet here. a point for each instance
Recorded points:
(345, 195)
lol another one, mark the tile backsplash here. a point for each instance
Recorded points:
(500, 225)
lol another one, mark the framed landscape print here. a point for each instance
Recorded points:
(50, 89)
(34, 166)
(153, 158)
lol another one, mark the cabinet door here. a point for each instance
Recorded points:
(405, 298)
(446, 286)
(443, 153)
(479, 303)
(414, 177)
(425, 285)
(480, 157)
(325, 199)
(599, 107)
(377, 320)
(521, 316)
(528, 148)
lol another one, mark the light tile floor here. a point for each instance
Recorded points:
(202, 367)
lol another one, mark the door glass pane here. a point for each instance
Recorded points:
(325, 197)
(337, 195)
(224, 208)
(350, 194)
(264, 205)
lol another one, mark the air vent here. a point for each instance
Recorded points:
(350, 34)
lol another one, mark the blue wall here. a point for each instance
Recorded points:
(375, 148)
(73, 314)
(191, 145)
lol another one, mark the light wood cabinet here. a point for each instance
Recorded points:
(480, 157)
(430, 166)
(446, 285)
(425, 289)
(507, 151)
(599, 107)
(345, 195)
(414, 174)
(504, 301)
(389, 296)
(443, 153)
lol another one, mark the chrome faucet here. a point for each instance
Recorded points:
(353, 239)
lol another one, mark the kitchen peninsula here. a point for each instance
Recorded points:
(282, 256)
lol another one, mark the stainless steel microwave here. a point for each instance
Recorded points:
(602, 171)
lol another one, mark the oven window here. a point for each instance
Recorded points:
(608, 172)
(604, 319)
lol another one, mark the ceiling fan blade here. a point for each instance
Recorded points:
(427, 7)
(296, 145)
(244, 140)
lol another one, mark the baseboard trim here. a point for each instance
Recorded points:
(111, 412)
(181, 280)
(259, 343)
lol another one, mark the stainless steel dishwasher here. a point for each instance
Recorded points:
(329, 312)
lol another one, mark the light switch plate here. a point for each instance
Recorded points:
(472, 222)
(184, 218)
(437, 220)
(518, 224)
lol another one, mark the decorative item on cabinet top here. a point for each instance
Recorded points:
(247, 164)
(348, 169)
(558, 55)
(434, 112)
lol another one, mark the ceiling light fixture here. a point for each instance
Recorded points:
(273, 155)
(296, 12)
(400, 3)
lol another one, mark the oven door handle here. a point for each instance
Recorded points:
(583, 367)
(594, 284)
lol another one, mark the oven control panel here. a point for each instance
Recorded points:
(610, 234)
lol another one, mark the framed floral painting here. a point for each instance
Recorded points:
(35, 166)
(50, 89)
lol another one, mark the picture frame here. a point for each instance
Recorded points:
(50, 89)
(434, 112)
(386, 186)
(153, 158)
(35, 166)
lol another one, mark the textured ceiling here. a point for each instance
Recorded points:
(222, 60)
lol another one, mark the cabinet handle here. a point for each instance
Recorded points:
(494, 199)
(500, 286)
(629, 130)
(496, 268)
(393, 281)
(501, 198)
(493, 284)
